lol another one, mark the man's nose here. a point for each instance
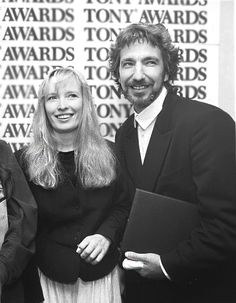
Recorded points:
(63, 103)
(138, 72)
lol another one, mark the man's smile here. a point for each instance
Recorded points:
(139, 87)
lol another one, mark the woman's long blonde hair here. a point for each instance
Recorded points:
(94, 161)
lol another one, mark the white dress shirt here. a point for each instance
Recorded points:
(145, 122)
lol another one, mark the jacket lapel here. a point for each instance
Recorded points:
(146, 176)
(155, 158)
(131, 152)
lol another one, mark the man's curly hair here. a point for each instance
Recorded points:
(154, 34)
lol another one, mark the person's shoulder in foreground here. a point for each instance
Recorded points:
(18, 245)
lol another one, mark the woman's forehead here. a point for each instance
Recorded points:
(65, 82)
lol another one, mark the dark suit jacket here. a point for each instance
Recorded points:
(191, 156)
(18, 246)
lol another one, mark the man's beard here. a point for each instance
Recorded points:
(139, 101)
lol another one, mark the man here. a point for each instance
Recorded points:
(183, 149)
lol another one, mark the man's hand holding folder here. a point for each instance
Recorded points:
(157, 224)
(147, 265)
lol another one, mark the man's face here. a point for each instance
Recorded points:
(141, 73)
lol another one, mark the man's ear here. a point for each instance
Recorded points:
(166, 78)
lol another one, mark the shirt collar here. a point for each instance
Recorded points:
(149, 114)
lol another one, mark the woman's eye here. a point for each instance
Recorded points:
(52, 98)
(72, 96)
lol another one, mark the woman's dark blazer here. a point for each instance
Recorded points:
(69, 213)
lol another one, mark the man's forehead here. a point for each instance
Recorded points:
(140, 49)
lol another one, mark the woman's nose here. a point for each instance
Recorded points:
(63, 103)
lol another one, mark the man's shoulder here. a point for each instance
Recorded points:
(110, 144)
(124, 129)
(128, 123)
(195, 109)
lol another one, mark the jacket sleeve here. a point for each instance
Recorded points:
(18, 245)
(212, 245)
(114, 224)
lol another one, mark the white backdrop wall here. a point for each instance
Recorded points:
(36, 36)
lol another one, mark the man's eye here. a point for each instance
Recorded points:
(127, 64)
(151, 62)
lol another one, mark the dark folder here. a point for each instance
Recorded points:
(158, 223)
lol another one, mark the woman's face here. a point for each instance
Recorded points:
(63, 104)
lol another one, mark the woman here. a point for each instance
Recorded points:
(17, 226)
(82, 199)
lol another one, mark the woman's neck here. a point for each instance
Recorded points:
(65, 142)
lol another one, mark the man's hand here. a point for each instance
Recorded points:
(93, 248)
(147, 265)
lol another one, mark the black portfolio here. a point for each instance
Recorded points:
(158, 223)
